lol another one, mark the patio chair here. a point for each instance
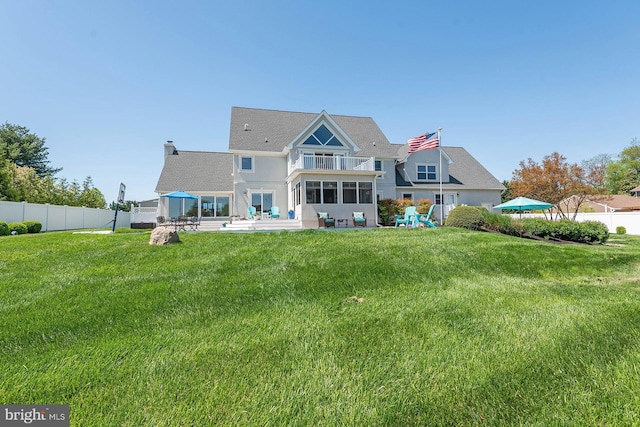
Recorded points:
(325, 221)
(408, 218)
(274, 212)
(161, 221)
(252, 212)
(425, 218)
(359, 219)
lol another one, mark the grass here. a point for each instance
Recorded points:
(358, 327)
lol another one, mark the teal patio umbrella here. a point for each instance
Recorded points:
(524, 204)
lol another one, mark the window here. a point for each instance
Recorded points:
(329, 192)
(262, 201)
(323, 136)
(407, 196)
(357, 192)
(365, 192)
(427, 172)
(438, 202)
(313, 192)
(378, 165)
(349, 192)
(295, 194)
(246, 163)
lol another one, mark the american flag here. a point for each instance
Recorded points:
(423, 142)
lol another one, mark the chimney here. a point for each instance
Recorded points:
(170, 149)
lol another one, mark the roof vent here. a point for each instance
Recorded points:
(266, 140)
(246, 126)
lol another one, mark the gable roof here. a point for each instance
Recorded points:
(279, 128)
(619, 202)
(196, 171)
(468, 172)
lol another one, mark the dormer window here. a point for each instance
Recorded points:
(323, 137)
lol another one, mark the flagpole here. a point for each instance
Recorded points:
(440, 173)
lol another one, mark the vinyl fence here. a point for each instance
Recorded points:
(53, 217)
(628, 220)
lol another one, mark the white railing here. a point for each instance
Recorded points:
(53, 217)
(335, 163)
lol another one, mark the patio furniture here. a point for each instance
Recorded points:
(252, 212)
(161, 221)
(408, 218)
(325, 221)
(359, 219)
(274, 212)
(425, 218)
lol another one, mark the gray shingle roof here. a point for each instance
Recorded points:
(196, 171)
(281, 127)
(469, 172)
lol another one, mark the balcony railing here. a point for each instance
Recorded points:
(337, 163)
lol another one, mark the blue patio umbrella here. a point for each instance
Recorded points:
(180, 194)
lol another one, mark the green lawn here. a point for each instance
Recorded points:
(357, 327)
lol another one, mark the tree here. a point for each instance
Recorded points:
(553, 181)
(596, 172)
(623, 175)
(505, 196)
(23, 148)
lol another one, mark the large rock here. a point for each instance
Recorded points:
(163, 236)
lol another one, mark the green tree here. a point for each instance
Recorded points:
(20, 146)
(505, 196)
(623, 175)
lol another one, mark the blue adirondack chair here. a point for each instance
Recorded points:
(425, 218)
(274, 212)
(408, 218)
(252, 212)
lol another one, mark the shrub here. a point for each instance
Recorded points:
(469, 217)
(581, 232)
(621, 230)
(502, 224)
(33, 226)
(18, 227)
(423, 206)
(387, 209)
(4, 229)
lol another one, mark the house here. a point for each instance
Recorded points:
(602, 203)
(306, 163)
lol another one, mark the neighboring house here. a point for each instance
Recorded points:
(308, 163)
(602, 203)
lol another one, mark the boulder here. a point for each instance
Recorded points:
(163, 236)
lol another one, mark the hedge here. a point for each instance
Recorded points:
(18, 227)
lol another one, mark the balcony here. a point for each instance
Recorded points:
(335, 163)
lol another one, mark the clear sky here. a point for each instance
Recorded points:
(108, 82)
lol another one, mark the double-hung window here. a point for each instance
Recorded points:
(427, 172)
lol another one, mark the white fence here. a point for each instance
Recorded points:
(628, 220)
(53, 217)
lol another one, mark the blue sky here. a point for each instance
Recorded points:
(108, 82)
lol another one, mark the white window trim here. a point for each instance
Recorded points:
(253, 164)
(426, 165)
